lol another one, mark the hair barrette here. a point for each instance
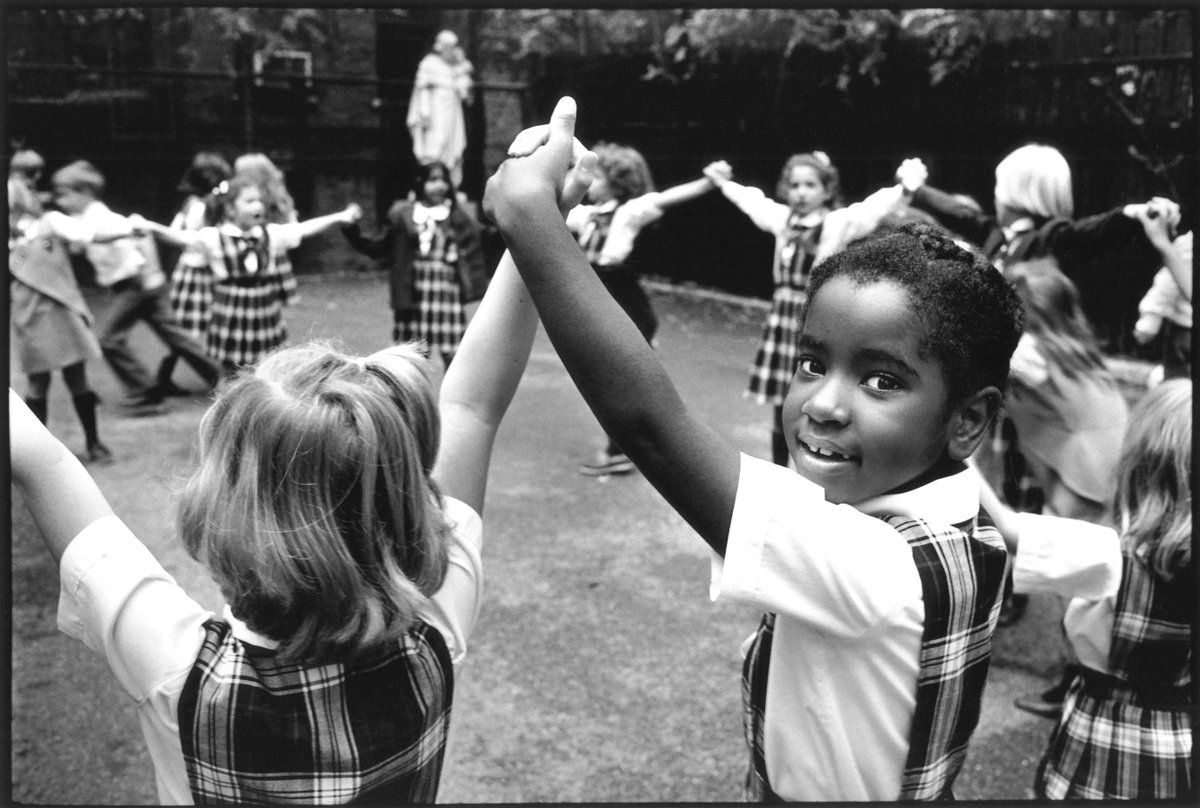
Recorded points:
(822, 158)
(221, 189)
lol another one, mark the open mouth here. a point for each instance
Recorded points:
(823, 453)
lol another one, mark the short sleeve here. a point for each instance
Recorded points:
(791, 552)
(577, 218)
(118, 600)
(285, 237)
(1066, 557)
(454, 608)
(69, 228)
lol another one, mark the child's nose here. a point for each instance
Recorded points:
(828, 402)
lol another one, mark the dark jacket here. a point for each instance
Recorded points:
(1108, 255)
(396, 244)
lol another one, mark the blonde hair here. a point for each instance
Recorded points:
(1154, 495)
(259, 168)
(312, 505)
(1035, 180)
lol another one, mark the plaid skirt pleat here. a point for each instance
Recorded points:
(439, 319)
(191, 294)
(1109, 745)
(247, 319)
(775, 362)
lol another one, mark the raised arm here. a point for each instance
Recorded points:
(481, 381)
(310, 227)
(685, 192)
(60, 494)
(1159, 222)
(614, 368)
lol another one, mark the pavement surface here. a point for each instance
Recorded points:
(600, 670)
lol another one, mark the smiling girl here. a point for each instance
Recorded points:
(878, 573)
(809, 224)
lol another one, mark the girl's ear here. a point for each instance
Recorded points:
(970, 419)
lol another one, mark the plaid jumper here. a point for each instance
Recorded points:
(439, 317)
(775, 361)
(1128, 734)
(962, 577)
(257, 731)
(621, 280)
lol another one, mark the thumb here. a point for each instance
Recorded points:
(562, 125)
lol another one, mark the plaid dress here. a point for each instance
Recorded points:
(1128, 734)
(962, 577)
(236, 294)
(775, 361)
(439, 318)
(256, 731)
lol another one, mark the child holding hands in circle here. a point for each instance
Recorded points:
(873, 557)
(338, 505)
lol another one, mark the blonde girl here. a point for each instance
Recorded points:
(1125, 730)
(808, 222)
(337, 504)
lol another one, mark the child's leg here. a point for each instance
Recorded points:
(36, 397)
(85, 407)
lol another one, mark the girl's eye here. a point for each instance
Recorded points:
(810, 366)
(882, 381)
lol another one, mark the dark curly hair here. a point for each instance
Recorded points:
(972, 315)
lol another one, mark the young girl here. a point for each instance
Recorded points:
(191, 286)
(809, 224)
(874, 559)
(1165, 311)
(436, 262)
(279, 208)
(52, 324)
(1066, 405)
(241, 257)
(338, 505)
(1125, 731)
(621, 202)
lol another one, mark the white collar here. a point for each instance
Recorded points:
(1022, 225)
(231, 229)
(246, 634)
(812, 218)
(946, 500)
(423, 213)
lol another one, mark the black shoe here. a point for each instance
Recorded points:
(1013, 609)
(149, 403)
(1038, 704)
(605, 463)
(169, 389)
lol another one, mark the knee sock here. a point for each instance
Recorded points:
(166, 368)
(39, 407)
(85, 408)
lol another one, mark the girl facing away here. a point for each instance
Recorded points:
(1125, 730)
(434, 259)
(858, 558)
(51, 322)
(337, 503)
(808, 222)
(620, 204)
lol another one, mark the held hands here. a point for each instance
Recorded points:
(546, 163)
(1159, 217)
(352, 213)
(912, 174)
(718, 173)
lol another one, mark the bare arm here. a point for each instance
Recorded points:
(1004, 516)
(1159, 220)
(60, 494)
(684, 192)
(481, 381)
(616, 371)
(310, 227)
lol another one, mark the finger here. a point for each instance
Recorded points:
(580, 178)
(527, 141)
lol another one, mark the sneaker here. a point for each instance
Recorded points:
(1038, 704)
(169, 389)
(145, 405)
(605, 463)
